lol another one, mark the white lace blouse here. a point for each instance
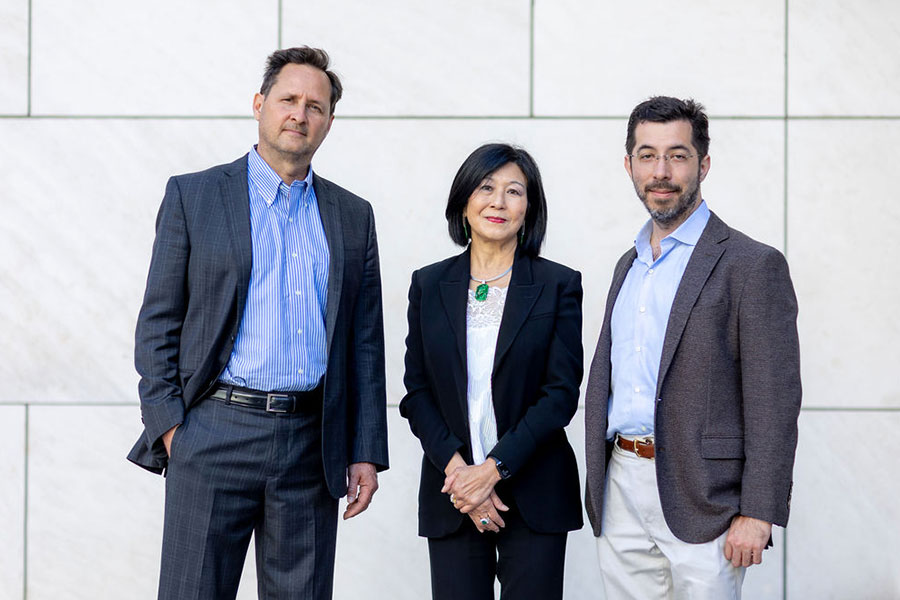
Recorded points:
(482, 326)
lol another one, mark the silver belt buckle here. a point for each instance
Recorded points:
(270, 398)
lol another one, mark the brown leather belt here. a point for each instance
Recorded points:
(273, 402)
(643, 448)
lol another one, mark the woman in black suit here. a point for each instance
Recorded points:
(493, 366)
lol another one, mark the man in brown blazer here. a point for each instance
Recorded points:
(694, 391)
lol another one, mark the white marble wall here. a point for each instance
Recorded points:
(100, 101)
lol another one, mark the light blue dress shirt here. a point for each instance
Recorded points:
(280, 345)
(639, 321)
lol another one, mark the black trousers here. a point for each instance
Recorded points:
(529, 565)
(236, 471)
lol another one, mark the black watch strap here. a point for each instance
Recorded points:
(502, 468)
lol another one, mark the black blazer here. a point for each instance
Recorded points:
(194, 301)
(537, 372)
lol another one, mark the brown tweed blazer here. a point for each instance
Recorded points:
(728, 390)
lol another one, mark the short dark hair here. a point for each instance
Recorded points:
(480, 164)
(664, 109)
(301, 55)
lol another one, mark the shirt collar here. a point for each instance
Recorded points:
(267, 181)
(687, 233)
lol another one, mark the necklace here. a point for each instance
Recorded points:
(481, 292)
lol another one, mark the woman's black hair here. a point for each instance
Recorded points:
(480, 164)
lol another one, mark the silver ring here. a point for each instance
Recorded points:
(484, 520)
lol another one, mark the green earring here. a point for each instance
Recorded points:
(465, 229)
(522, 235)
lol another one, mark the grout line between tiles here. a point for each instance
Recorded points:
(455, 117)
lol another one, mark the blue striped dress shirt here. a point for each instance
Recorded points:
(639, 319)
(280, 345)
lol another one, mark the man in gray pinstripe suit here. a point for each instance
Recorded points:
(260, 347)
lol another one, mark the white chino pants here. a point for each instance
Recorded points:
(640, 557)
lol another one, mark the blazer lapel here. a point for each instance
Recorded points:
(454, 295)
(699, 267)
(330, 213)
(236, 201)
(622, 268)
(520, 299)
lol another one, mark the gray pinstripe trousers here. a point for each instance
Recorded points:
(236, 471)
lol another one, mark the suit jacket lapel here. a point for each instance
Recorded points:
(454, 296)
(236, 201)
(330, 213)
(622, 268)
(699, 267)
(520, 299)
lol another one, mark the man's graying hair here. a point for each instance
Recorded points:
(665, 109)
(302, 55)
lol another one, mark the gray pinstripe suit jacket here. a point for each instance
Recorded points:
(194, 300)
(728, 390)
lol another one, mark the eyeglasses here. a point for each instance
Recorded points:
(651, 158)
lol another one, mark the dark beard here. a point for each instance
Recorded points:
(683, 203)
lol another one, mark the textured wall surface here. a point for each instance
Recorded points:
(101, 101)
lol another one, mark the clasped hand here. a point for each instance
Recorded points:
(471, 489)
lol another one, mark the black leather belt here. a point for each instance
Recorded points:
(273, 402)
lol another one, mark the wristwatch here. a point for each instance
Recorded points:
(502, 468)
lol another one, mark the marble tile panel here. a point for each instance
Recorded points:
(379, 554)
(76, 229)
(842, 57)
(845, 511)
(12, 501)
(602, 58)
(842, 250)
(162, 58)
(745, 183)
(14, 57)
(406, 58)
(94, 519)
(582, 579)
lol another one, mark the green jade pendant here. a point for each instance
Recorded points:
(481, 292)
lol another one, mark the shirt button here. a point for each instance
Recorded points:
(290, 219)
(643, 309)
(294, 255)
(637, 348)
(650, 271)
(637, 389)
(298, 293)
(300, 331)
(643, 428)
(300, 371)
